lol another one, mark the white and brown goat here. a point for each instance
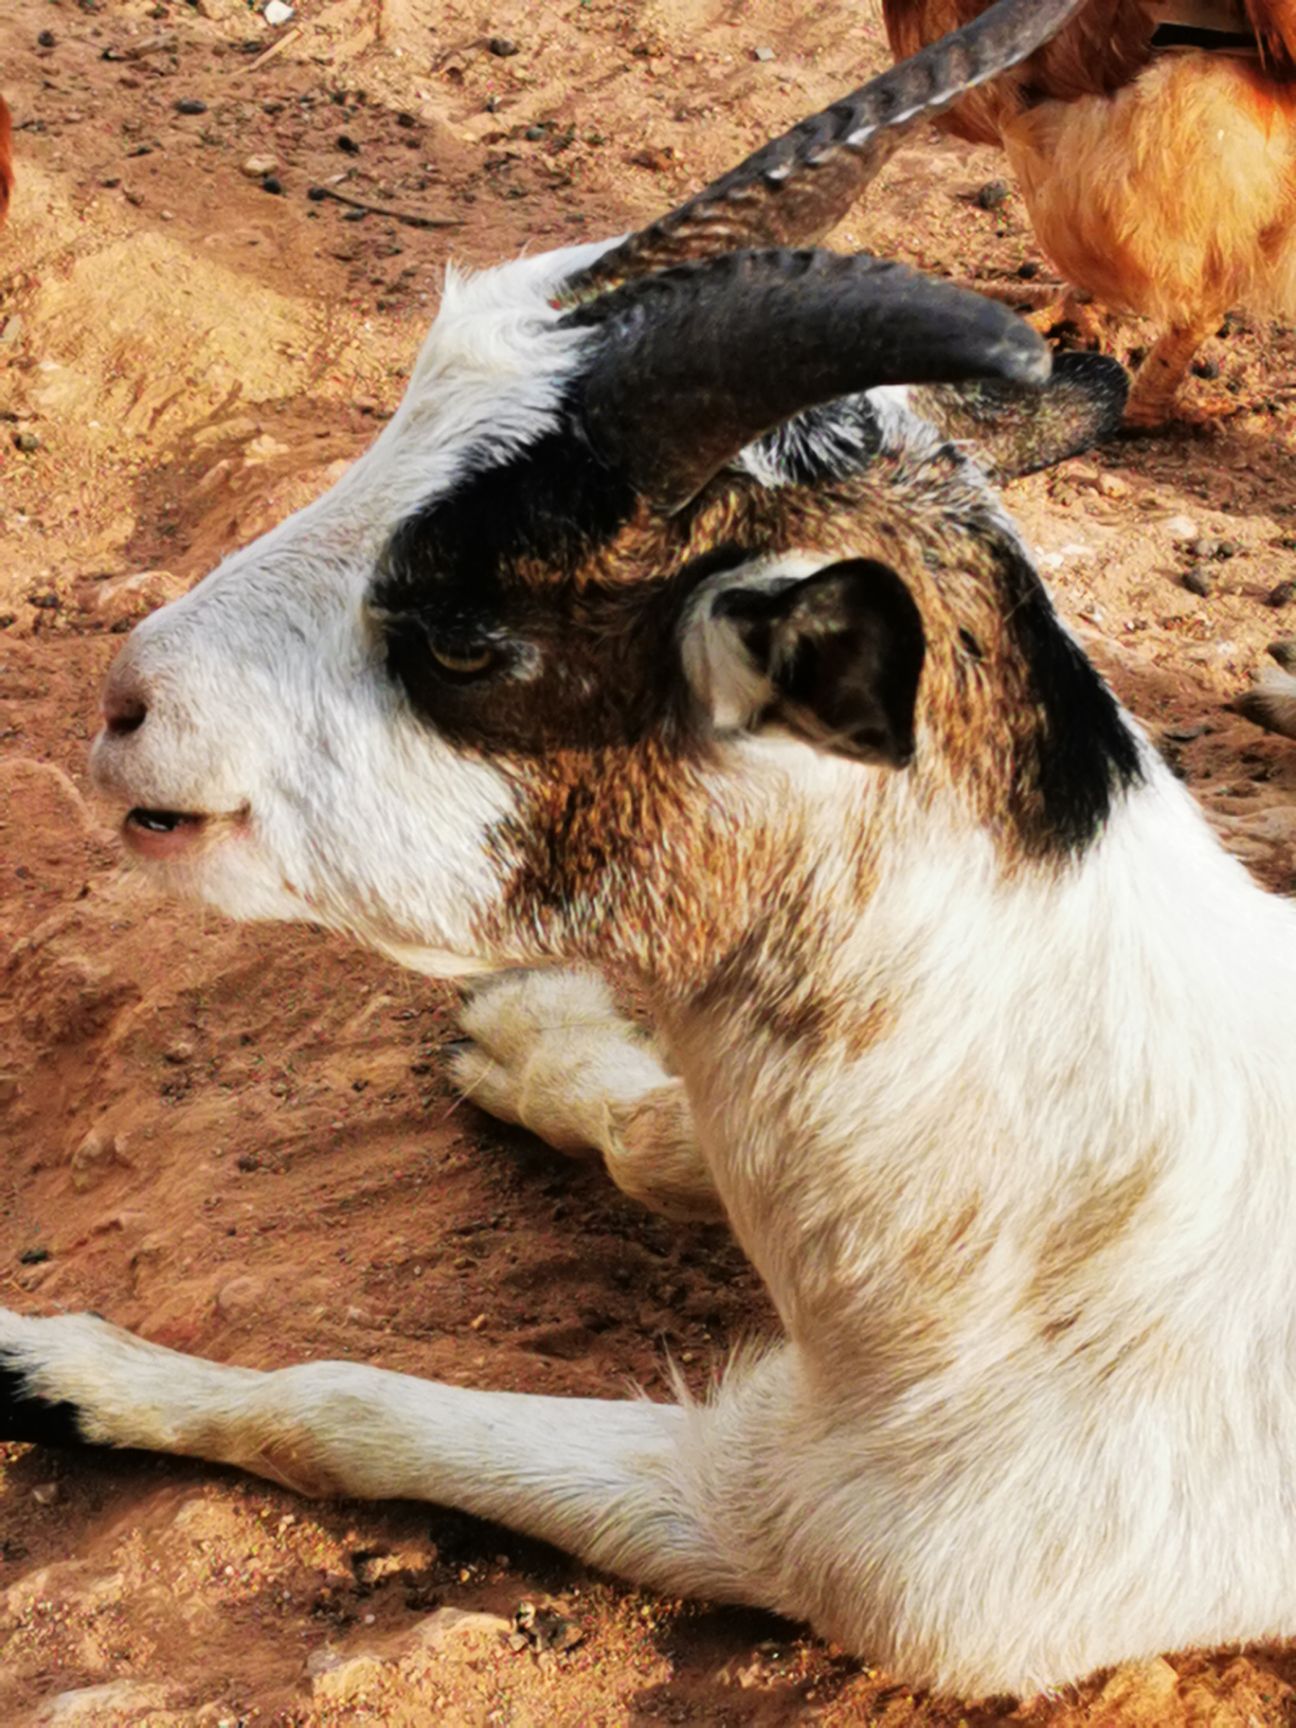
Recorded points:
(645, 637)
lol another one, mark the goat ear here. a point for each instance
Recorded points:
(835, 658)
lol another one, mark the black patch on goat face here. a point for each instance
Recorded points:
(26, 1416)
(550, 573)
(552, 506)
(494, 566)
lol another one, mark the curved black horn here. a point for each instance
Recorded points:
(793, 190)
(698, 361)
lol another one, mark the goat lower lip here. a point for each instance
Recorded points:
(160, 833)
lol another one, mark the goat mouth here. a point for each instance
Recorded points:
(161, 833)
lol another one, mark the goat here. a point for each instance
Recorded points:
(671, 628)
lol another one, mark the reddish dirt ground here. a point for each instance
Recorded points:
(236, 1140)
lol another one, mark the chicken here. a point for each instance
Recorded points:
(1155, 145)
(6, 159)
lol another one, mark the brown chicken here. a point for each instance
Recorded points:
(1155, 144)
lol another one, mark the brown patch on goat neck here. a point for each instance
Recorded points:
(623, 855)
(1072, 1244)
(941, 1257)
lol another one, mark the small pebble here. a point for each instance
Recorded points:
(1198, 581)
(272, 184)
(257, 167)
(191, 105)
(993, 195)
(277, 12)
(1028, 269)
(47, 39)
(503, 46)
(1282, 595)
(1206, 369)
(347, 144)
(27, 442)
(47, 1493)
(762, 54)
(33, 1256)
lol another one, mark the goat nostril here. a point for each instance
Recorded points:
(123, 714)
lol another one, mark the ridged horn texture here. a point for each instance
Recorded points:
(699, 360)
(793, 190)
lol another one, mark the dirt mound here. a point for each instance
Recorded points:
(236, 1140)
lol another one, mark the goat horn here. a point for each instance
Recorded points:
(698, 361)
(793, 190)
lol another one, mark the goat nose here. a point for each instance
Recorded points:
(124, 706)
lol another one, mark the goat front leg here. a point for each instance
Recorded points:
(621, 1484)
(549, 1051)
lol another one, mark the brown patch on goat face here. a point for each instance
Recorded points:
(619, 849)
(624, 855)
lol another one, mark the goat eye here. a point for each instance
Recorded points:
(463, 663)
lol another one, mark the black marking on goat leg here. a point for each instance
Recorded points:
(27, 1416)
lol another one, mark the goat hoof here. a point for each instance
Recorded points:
(27, 1415)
